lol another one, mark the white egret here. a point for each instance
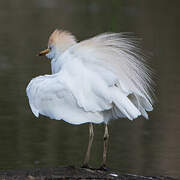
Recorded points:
(92, 81)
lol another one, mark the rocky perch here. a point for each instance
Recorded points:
(71, 172)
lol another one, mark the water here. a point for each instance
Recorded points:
(142, 147)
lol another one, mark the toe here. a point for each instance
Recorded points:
(85, 166)
(103, 168)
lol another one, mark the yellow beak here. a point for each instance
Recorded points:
(44, 52)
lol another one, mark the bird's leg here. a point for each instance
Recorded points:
(106, 138)
(91, 136)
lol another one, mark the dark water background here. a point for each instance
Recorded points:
(143, 147)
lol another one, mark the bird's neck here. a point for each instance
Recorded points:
(54, 65)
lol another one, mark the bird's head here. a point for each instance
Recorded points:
(59, 41)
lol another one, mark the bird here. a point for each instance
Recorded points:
(93, 81)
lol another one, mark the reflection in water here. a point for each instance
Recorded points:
(142, 147)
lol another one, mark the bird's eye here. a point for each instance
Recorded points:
(50, 48)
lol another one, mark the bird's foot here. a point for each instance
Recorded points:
(103, 168)
(85, 166)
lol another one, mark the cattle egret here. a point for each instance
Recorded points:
(92, 81)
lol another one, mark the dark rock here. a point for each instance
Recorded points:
(70, 172)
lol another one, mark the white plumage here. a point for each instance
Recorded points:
(102, 78)
(95, 80)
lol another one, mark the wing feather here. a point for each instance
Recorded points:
(50, 96)
(98, 79)
(121, 55)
